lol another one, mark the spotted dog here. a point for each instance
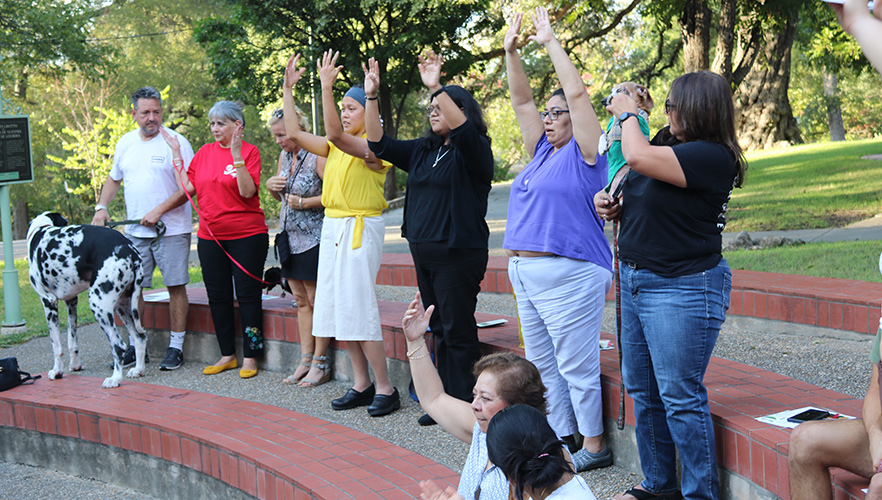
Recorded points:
(66, 260)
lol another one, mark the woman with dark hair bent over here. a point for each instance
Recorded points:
(675, 281)
(450, 169)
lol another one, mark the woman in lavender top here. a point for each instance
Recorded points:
(559, 260)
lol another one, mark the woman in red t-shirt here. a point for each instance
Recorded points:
(225, 177)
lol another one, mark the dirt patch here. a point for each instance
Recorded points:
(843, 218)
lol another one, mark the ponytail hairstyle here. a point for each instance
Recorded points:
(521, 443)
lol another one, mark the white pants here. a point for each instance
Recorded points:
(560, 304)
(345, 299)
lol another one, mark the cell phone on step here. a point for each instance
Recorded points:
(810, 414)
(492, 322)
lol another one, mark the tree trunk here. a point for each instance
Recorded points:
(834, 106)
(695, 26)
(764, 116)
(725, 40)
(20, 219)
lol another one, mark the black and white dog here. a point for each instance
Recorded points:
(66, 260)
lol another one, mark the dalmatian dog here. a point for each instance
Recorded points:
(66, 260)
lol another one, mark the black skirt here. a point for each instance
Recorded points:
(302, 266)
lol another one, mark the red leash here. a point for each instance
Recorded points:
(202, 221)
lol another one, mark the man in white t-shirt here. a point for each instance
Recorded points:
(143, 161)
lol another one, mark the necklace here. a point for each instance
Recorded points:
(439, 156)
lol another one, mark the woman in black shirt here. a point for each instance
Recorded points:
(449, 173)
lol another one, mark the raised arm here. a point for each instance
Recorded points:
(372, 124)
(314, 144)
(178, 161)
(453, 415)
(430, 72)
(519, 89)
(866, 28)
(658, 162)
(586, 127)
(349, 144)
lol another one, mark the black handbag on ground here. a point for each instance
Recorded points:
(11, 376)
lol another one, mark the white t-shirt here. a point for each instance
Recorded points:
(146, 169)
(575, 489)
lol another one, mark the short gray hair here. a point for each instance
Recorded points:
(226, 110)
(145, 93)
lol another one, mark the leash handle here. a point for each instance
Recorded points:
(210, 232)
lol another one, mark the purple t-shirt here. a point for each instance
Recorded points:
(551, 207)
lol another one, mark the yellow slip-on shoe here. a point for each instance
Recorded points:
(214, 370)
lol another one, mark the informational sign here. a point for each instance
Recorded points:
(15, 150)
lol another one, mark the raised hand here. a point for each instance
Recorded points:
(510, 44)
(416, 319)
(171, 140)
(371, 77)
(327, 68)
(430, 69)
(292, 72)
(236, 141)
(544, 33)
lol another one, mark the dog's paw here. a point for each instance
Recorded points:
(76, 368)
(135, 372)
(110, 383)
(54, 374)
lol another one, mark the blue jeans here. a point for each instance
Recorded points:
(669, 329)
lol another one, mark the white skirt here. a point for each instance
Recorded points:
(345, 299)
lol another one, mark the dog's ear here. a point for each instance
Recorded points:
(57, 219)
(646, 99)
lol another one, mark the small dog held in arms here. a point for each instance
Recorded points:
(66, 260)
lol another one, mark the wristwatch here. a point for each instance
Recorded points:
(625, 116)
(100, 207)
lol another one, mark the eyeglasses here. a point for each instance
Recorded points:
(669, 106)
(279, 113)
(433, 109)
(554, 114)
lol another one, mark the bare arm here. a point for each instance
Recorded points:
(519, 89)
(856, 20)
(453, 415)
(174, 201)
(314, 144)
(108, 192)
(372, 124)
(430, 72)
(349, 144)
(658, 162)
(246, 184)
(586, 127)
(178, 162)
(276, 184)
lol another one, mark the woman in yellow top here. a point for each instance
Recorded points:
(352, 236)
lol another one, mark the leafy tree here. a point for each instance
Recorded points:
(248, 49)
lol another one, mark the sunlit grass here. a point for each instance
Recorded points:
(813, 186)
(855, 260)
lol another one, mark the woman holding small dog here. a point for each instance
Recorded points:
(298, 185)
(670, 246)
(560, 263)
(225, 177)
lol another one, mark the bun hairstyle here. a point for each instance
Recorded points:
(524, 447)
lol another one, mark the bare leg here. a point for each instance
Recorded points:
(178, 307)
(304, 326)
(817, 446)
(375, 352)
(359, 362)
(594, 444)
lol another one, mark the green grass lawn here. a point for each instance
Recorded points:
(32, 308)
(804, 187)
(856, 260)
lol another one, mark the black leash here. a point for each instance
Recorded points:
(154, 243)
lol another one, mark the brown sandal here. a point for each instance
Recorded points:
(320, 363)
(304, 361)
